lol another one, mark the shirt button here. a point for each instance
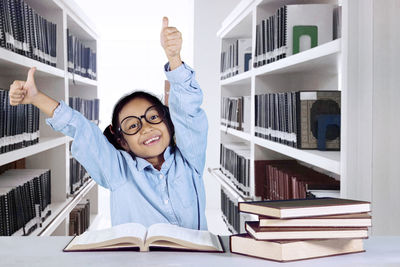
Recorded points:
(165, 201)
(161, 176)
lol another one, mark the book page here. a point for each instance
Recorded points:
(119, 231)
(189, 238)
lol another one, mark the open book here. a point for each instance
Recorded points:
(136, 236)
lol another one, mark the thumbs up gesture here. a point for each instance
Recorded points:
(23, 92)
(171, 41)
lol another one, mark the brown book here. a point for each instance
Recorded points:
(292, 233)
(261, 176)
(293, 250)
(343, 220)
(134, 236)
(305, 207)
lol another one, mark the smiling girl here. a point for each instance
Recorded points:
(152, 179)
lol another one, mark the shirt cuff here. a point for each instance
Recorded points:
(181, 74)
(61, 117)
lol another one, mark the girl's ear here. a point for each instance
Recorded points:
(123, 144)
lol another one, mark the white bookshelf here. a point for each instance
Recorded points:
(361, 64)
(318, 68)
(52, 151)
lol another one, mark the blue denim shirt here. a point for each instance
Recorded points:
(139, 192)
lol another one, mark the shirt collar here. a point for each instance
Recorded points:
(141, 163)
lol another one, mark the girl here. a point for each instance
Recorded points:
(151, 178)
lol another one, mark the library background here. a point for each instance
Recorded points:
(304, 111)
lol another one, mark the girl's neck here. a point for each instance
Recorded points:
(157, 161)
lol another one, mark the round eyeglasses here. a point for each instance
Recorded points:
(131, 125)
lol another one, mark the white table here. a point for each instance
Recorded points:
(47, 251)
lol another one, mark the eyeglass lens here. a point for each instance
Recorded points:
(132, 125)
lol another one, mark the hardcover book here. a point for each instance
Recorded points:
(305, 207)
(343, 220)
(293, 250)
(134, 236)
(292, 233)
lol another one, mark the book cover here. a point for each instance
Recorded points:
(305, 207)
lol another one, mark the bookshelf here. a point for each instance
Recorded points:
(52, 151)
(329, 66)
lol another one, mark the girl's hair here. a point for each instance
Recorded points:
(112, 132)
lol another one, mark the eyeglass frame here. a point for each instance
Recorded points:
(140, 119)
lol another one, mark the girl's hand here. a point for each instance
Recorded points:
(23, 92)
(171, 41)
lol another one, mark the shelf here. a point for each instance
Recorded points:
(45, 143)
(228, 185)
(240, 134)
(60, 210)
(240, 79)
(239, 22)
(12, 64)
(79, 80)
(321, 58)
(327, 160)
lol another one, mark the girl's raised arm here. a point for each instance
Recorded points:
(90, 147)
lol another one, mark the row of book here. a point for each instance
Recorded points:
(229, 209)
(79, 218)
(90, 108)
(282, 34)
(77, 175)
(25, 196)
(24, 31)
(287, 179)
(19, 125)
(305, 120)
(291, 230)
(274, 179)
(233, 113)
(235, 57)
(235, 165)
(81, 59)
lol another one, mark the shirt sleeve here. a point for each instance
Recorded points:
(90, 147)
(189, 119)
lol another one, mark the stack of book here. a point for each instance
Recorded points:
(289, 230)
(90, 108)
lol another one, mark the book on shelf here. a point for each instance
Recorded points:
(233, 113)
(89, 108)
(306, 232)
(79, 218)
(292, 29)
(342, 220)
(303, 119)
(293, 250)
(229, 209)
(77, 175)
(235, 165)
(304, 207)
(24, 31)
(235, 57)
(134, 236)
(81, 58)
(19, 125)
(25, 196)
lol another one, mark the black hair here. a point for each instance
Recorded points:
(112, 131)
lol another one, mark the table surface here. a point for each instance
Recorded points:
(47, 251)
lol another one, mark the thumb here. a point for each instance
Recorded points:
(165, 22)
(31, 78)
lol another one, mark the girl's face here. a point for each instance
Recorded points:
(152, 139)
